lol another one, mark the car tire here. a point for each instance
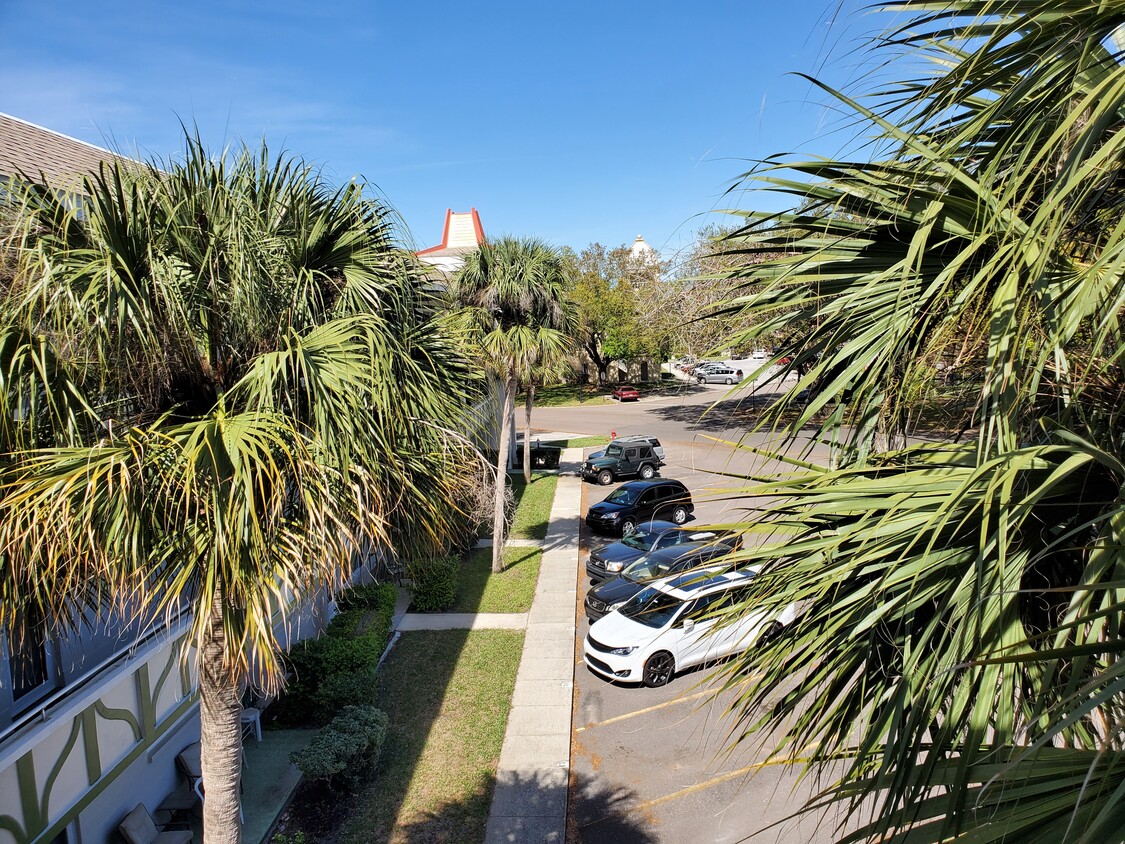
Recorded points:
(701, 379)
(730, 381)
(628, 527)
(605, 477)
(647, 471)
(658, 669)
(679, 515)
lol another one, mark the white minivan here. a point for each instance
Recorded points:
(672, 624)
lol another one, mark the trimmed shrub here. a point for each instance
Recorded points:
(435, 583)
(345, 750)
(347, 689)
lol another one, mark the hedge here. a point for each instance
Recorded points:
(338, 668)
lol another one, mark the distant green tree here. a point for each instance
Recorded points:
(608, 289)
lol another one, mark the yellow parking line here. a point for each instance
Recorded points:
(700, 786)
(644, 711)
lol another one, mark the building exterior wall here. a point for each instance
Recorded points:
(64, 768)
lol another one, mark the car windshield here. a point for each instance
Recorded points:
(621, 496)
(613, 451)
(640, 540)
(646, 568)
(651, 608)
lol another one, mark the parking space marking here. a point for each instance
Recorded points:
(700, 786)
(644, 711)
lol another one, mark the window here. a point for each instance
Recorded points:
(621, 495)
(702, 606)
(630, 454)
(30, 666)
(651, 608)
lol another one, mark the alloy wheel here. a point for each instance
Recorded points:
(658, 669)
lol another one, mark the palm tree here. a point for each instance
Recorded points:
(961, 652)
(218, 380)
(512, 302)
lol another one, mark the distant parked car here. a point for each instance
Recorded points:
(676, 623)
(626, 392)
(609, 560)
(718, 375)
(640, 501)
(704, 365)
(657, 565)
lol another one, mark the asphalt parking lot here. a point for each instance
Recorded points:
(658, 765)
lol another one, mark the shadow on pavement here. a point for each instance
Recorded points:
(604, 815)
(738, 414)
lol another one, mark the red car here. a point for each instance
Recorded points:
(626, 392)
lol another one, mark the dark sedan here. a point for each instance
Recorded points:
(609, 560)
(665, 562)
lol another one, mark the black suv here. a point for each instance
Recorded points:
(665, 562)
(640, 501)
(622, 459)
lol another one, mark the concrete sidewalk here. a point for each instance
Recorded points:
(530, 800)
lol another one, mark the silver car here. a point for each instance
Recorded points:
(720, 375)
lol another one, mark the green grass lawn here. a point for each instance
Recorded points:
(570, 395)
(480, 590)
(566, 395)
(533, 505)
(578, 442)
(447, 693)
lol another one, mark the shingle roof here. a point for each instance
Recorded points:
(32, 151)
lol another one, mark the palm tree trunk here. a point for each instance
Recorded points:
(499, 525)
(220, 736)
(527, 431)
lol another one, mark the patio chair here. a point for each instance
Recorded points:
(138, 827)
(190, 764)
(189, 761)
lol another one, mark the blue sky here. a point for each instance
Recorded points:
(575, 122)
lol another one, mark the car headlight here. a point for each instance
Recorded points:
(614, 566)
(622, 651)
(613, 515)
(612, 607)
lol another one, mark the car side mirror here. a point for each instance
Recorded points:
(688, 625)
